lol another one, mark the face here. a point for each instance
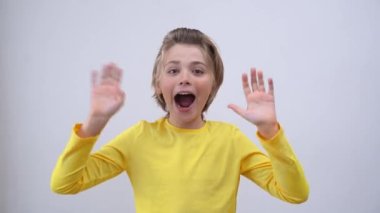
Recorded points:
(185, 81)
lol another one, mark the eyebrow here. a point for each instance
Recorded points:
(192, 63)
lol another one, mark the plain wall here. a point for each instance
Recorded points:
(324, 57)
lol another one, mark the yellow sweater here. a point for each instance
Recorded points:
(182, 170)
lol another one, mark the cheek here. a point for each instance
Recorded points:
(160, 86)
(164, 87)
(207, 89)
(166, 91)
(209, 85)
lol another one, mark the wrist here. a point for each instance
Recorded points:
(93, 126)
(268, 130)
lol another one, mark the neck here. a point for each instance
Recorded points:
(191, 124)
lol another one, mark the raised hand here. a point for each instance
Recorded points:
(106, 99)
(260, 109)
(107, 96)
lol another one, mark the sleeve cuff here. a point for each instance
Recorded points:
(76, 136)
(274, 138)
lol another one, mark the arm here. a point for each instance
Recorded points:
(281, 174)
(76, 169)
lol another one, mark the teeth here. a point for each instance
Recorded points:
(184, 93)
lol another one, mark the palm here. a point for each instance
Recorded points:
(107, 96)
(260, 108)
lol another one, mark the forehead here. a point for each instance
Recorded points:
(183, 53)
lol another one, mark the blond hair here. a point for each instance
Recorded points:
(192, 37)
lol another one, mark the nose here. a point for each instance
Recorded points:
(185, 78)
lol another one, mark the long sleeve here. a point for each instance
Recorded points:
(182, 170)
(77, 169)
(281, 173)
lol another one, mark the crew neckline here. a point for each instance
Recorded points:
(185, 130)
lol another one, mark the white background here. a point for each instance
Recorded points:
(324, 57)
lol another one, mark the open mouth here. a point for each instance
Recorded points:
(184, 99)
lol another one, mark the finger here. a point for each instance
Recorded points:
(254, 79)
(246, 88)
(119, 73)
(94, 78)
(238, 110)
(116, 72)
(108, 76)
(111, 71)
(111, 75)
(260, 76)
(270, 87)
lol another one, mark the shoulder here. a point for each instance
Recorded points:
(228, 130)
(140, 131)
(145, 126)
(222, 127)
(231, 136)
(221, 124)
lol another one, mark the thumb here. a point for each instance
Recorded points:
(238, 110)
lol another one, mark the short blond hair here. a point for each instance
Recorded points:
(192, 37)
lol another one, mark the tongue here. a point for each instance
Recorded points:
(185, 100)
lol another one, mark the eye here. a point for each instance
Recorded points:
(172, 71)
(198, 71)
